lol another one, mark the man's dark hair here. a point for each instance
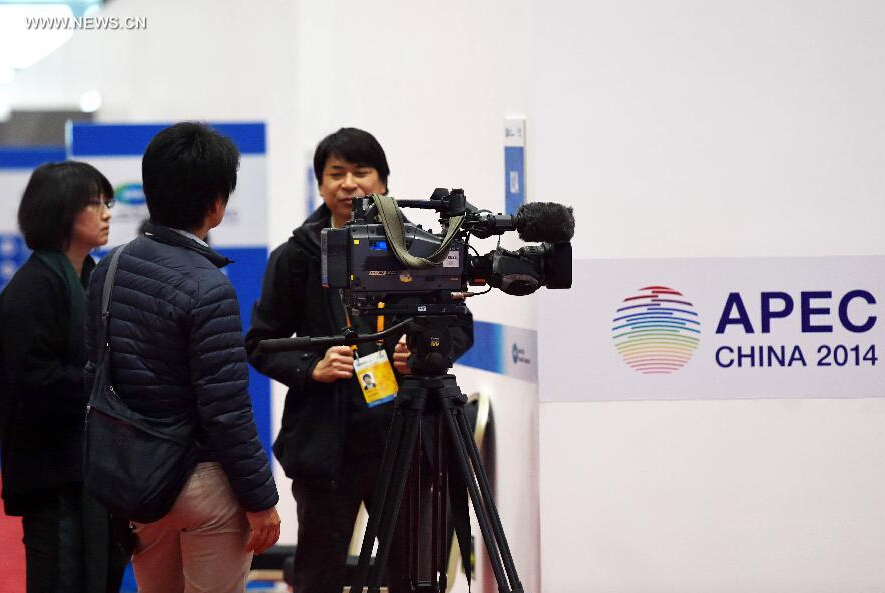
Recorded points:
(185, 168)
(56, 193)
(354, 146)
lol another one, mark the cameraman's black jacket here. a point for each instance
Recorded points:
(318, 417)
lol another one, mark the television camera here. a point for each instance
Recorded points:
(379, 256)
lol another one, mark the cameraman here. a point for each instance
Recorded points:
(331, 441)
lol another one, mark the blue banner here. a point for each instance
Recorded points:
(514, 178)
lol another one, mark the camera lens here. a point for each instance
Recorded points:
(558, 265)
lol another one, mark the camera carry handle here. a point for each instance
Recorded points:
(391, 219)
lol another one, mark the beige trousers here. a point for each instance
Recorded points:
(200, 545)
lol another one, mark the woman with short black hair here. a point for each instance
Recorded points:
(64, 214)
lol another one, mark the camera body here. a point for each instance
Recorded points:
(379, 256)
(358, 258)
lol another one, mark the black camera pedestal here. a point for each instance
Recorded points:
(430, 393)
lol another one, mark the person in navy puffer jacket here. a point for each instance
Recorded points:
(177, 347)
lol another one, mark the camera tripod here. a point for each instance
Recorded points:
(431, 393)
(456, 469)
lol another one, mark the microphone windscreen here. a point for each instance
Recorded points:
(545, 222)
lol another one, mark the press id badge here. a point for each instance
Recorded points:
(375, 376)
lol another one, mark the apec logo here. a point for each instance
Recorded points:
(519, 355)
(656, 331)
(130, 194)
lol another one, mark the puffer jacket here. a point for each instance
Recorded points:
(177, 347)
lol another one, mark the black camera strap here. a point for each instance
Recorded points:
(391, 219)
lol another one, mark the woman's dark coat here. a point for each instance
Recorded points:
(42, 397)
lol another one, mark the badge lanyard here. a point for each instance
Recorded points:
(374, 372)
(379, 325)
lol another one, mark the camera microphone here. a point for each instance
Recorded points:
(545, 222)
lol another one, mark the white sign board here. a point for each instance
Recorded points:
(714, 329)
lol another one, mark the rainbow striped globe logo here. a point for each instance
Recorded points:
(656, 331)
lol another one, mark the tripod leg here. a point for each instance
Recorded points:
(382, 489)
(486, 491)
(481, 517)
(439, 499)
(409, 521)
(393, 501)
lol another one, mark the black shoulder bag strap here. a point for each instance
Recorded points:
(103, 342)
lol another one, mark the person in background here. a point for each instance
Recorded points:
(177, 349)
(332, 438)
(63, 215)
